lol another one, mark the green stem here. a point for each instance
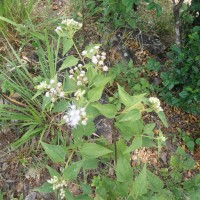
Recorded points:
(70, 157)
(57, 50)
(78, 52)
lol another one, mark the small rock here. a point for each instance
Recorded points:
(164, 157)
(20, 187)
(32, 173)
(105, 127)
(4, 166)
(31, 196)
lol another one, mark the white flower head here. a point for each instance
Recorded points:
(101, 62)
(53, 99)
(94, 60)
(59, 30)
(62, 94)
(59, 84)
(98, 56)
(74, 116)
(97, 47)
(71, 76)
(79, 93)
(80, 65)
(85, 79)
(103, 57)
(163, 139)
(43, 85)
(84, 53)
(79, 83)
(47, 94)
(105, 68)
(52, 81)
(155, 104)
(84, 122)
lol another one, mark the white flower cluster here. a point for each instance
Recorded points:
(54, 90)
(163, 139)
(97, 59)
(155, 104)
(58, 185)
(78, 94)
(91, 51)
(78, 75)
(75, 116)
(42, 86)
(68, 27)
(72, 22)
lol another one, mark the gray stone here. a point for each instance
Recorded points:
(105, 127)
(31, 196)
(152, 43)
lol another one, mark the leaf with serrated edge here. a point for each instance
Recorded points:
(92, 150)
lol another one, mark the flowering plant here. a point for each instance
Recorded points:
(76, 100)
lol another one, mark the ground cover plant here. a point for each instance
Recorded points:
(85, 122)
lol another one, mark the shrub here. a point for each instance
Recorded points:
(181, 81)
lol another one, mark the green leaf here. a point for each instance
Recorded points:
(137, 87)
(140, 184)
(130, 128)
(190, 145)
(124, 170)
(92, 150)
(82, 130)
(136, 144)
(151, 6)
(55, 152)
(128, 3)
(155, 183)
(90, 164)
(1, 195)
(37, 35)
(91, 73)
(162, 116)
(132, 115)
(53, 172)
(45, 188)
(101, 80)
(69, 62)
(198, 141)
(46, 102)
(124, 97)
(138, 98)
(69, 84)
(159, 10)
(10, 22)
(95, 93)
(147, 142)
(67, 45)
(148, 129)
(188, 164)
(108, 110)
(72, 171)
(39, 92)
(60, 106)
